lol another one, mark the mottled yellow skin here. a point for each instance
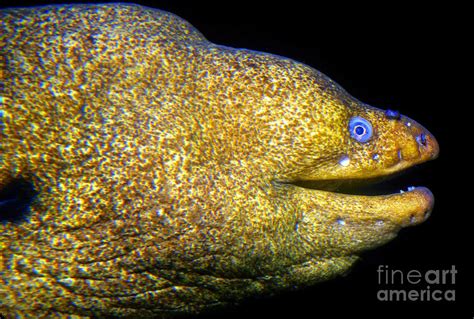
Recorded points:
(166, 167)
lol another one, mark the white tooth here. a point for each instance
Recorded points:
(401, 191)
(411, 188)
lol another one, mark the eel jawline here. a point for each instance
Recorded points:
(355, 223)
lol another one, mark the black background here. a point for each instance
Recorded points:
(404, 57)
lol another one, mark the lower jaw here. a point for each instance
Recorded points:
(407, 207)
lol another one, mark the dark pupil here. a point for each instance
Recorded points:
(359, 130)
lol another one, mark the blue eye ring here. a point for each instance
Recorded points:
(360, 129)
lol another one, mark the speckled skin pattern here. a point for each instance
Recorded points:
(169, 169)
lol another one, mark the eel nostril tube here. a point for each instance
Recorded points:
(421, 139)
(393, 115)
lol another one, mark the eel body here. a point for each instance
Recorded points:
(173, 175)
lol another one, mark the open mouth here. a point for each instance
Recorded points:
(399, 182)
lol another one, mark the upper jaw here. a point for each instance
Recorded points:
(416, 145)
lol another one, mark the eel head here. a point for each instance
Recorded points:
(337, 147)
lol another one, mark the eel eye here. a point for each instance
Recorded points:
(360, 129)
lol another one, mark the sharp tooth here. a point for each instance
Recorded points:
(402, 191)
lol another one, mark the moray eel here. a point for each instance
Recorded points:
(174, 175)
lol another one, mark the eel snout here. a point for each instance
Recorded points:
(417, 147)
